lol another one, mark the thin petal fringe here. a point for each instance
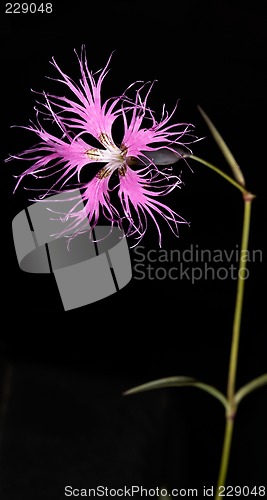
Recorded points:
(93, 201)
(138, 191)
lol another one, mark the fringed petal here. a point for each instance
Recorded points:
(138, 194)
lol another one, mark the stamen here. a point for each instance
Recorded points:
(106, 140)
(104, 172)
(123, 149)
(93, 154)
(123, 170)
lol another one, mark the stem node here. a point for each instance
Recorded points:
(248, 196)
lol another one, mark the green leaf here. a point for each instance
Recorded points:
(223, 174)
(238, 175)
(160, 384)
(179, 382)
(250, 387)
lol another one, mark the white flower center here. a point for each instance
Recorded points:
(112, 155)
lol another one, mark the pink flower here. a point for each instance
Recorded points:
(146, 142)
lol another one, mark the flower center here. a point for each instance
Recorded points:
(111, 152)
(112, 155)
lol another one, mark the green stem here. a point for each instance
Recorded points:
(242, 274)
(230, 416)
(229, 427)
(239, 302)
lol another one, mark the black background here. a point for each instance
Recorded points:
(66, 421)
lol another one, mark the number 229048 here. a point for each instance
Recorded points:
(241, 491)
(28, 8)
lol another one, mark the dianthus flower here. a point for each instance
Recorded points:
(146, 143)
